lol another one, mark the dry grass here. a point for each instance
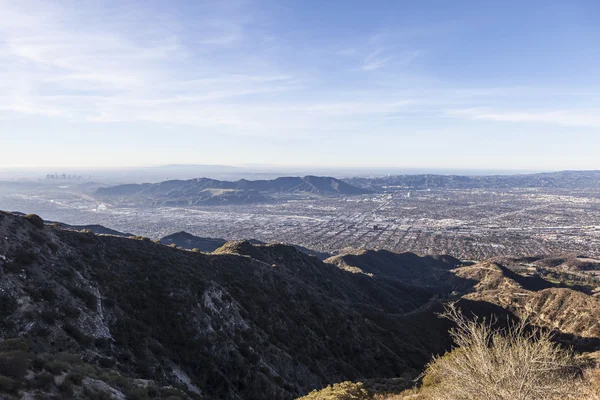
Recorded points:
(516, 363)
(339, 391)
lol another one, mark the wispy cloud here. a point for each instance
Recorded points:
(58, 62)
(374, 61)
(584, 118)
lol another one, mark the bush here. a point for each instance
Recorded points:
(66, 388)
(56, 367)
(25, 257)
(515, 363)
(14, 344)
(44, 380)
(88, 297)
(76, 334)
(340, 391)
(14, 364)
(70, 311)
(49, 316)
(75, 378)
(8, 305)
(48, 294)
(36, 220)
(8, 385)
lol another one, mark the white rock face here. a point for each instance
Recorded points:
(185, 379)
(97, 386)
(214, 300)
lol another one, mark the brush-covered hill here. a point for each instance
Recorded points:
(129, 317)
(408, 267)
(555, 318)
(100, 316)
(206, 244)
(567, 307)
(204, 191)
(188, 241)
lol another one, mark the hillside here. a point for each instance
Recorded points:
(128, 317)
(204, 191)
(252, 322)
(408, 267)
(190, 242)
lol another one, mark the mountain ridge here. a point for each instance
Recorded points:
(205, 191)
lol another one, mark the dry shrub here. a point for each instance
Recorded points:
(340, 391)
(514, 363)
(590, 387)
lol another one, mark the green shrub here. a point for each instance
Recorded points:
(33, 292)
(8, 385)
(66, 272)
(36, 220)
(49, 316)
(48, 294)
(106, 362)
(75, 378)
(37, 237)
(25, 257)
(70, 311)
(43, 380)
(66, 388)
(13, 267)
(136, 393)
(56, 367)
(40, 331)
(172, 393)
(13, 344)
(88, 297)
(69, 358)
(76, 334)
(14, 364)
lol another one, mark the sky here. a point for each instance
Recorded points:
(413, 84)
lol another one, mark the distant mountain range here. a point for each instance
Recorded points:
(558, 180)
(204, 191)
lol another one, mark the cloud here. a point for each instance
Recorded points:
(584, 118)
(375, 61)
(57, 62)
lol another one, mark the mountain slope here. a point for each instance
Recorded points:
(251, 322)
(408, 267)
(210, 191)
(188, 241)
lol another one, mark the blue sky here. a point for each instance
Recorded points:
(412, 84)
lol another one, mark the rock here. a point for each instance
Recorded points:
(101, 388)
